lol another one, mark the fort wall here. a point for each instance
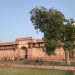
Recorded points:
(27, 48)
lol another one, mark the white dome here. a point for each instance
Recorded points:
(73, 24)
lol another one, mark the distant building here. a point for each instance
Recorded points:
(27, 48)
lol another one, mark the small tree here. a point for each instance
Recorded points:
(58, 32)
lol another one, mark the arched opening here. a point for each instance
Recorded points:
(24, 52)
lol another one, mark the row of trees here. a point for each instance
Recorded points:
(58, 31)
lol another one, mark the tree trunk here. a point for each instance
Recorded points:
(67, 58)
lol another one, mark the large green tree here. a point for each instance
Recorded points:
(58, 31)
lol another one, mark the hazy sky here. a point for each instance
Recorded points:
(15, 18)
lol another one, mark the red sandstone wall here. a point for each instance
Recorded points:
(37, 53)
(6, 54)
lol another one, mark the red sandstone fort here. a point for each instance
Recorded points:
(27, 48)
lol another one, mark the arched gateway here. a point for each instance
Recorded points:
(23, 54)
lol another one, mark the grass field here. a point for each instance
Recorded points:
(24, 71)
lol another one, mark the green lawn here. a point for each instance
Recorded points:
(24, 71)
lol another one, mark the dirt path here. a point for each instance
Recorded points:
(38, 66)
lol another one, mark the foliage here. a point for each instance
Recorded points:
(57, 30)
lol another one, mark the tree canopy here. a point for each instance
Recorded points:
(58, 31)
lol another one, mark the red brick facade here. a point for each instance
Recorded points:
(27, 48)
